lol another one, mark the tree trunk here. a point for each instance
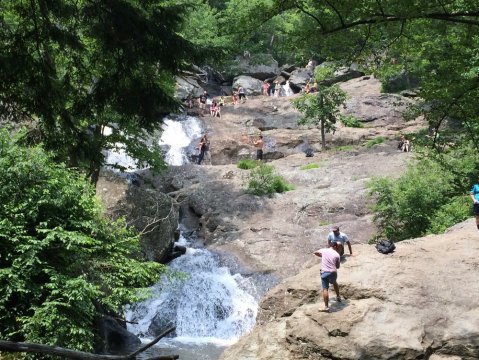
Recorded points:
(10, 346)
(323, 136)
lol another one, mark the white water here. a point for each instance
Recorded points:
(176, 140)
(287, 91)
(177, 137)
(212, 306)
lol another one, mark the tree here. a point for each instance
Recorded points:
(321, 107)
(78, 67)
(62, 264)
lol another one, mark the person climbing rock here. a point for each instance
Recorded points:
(339, 238)
(330, 262)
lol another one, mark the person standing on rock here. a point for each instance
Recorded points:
(259, 143)
(241, 94)
(202, 101)
(475, 200)
(266, 88)
(203, 148)
(339, 238)
(330, 262)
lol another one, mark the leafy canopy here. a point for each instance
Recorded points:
(62, 263)
(79, 66)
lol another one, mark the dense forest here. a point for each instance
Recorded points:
(70, 68)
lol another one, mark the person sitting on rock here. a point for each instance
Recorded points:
(213, 107)
(221, 102)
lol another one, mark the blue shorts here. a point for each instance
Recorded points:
(328, 278)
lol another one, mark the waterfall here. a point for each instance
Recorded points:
(212, 305)
(178, 139)
(287, 91)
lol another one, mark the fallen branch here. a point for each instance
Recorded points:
(10, 346)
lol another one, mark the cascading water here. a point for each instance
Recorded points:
(178, 138)
(211, 307)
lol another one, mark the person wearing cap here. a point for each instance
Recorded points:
(335, 236)
(330, 262)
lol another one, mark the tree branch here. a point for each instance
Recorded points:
(452, 17)
(10, 346)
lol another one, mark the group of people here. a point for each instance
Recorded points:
(330, 263)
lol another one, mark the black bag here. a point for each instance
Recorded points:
(385, 246)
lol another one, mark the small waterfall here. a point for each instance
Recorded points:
(178, 139)
(211, 306)
(287, 91)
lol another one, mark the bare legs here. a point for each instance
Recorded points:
(326, 294)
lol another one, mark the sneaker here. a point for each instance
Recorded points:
(338, 299)
(324, 309)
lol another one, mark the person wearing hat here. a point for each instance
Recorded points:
(339, 238)
(330, 263)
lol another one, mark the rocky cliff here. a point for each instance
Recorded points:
(418, 303)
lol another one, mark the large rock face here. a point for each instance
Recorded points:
(151, 212)
(251, 85)
(187, 86)
(417, 302)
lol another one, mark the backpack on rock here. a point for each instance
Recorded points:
(385, 246)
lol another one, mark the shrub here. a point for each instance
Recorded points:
(247, 164)
(351, 121)
(373, 142)
(345, 148)
(309, 166)
(264, 180)
(405, 207)
(62, 262)
(456, 210)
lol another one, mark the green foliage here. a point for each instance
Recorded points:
(79, 66)
(247, 164)
(345, 148)
(351, 121)
(454, 211)
(429, 197)
(310, 166)
(264, 180)
(62, 263)
(405, 206)
(373, 142)
(321, 108)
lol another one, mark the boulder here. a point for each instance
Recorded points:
(401, 81)
(251, 85)
(115, 339)
(342, 74)
(299, 78)
(151, 212)
(259, 66)
(392, 308)
(187, 86)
